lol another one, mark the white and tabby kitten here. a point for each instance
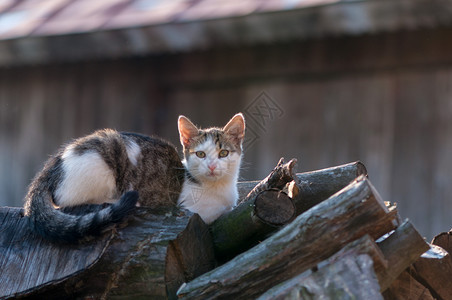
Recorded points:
(98, 179)
(212, 160)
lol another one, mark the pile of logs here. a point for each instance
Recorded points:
(325, 234)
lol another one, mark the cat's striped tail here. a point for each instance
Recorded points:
(58, 226)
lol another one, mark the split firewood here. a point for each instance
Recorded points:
(188, 256)
(434, 270)
(444, 240)
(401, 248)
(389, 259)
(351, 277)
(406, 287)
(311, 238)
(348, 272)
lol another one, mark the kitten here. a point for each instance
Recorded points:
(109, 165)
(212, 160)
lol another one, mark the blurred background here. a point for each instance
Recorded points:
(325, 81)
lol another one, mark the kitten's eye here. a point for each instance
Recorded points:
(200, 154)
(223, 153)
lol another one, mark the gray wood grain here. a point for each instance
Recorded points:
(27, 261)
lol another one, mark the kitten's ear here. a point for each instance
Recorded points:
(187, 130)
(236, 128)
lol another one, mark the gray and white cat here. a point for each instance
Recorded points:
(119, 170)
(212, 160)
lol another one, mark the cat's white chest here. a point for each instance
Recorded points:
(209, 202)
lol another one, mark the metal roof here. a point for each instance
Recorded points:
(41, 31)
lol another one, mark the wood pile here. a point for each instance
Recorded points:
(325, 234)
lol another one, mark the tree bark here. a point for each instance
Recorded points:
(311, 238)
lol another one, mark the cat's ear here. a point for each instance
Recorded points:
(236, 128)
(187, 130)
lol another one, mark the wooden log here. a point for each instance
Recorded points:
(401, 248)
(393, 255)
(265, 209)
(434, 270)
(340, 274)
(190, 255)
(444, 240)
(311, 238)
(351, 277)
(136, 260)
(122, 257)
(282, 174)
(251, 222)
(406, 287)
(28, 263)
(240, 229)
(317, 185)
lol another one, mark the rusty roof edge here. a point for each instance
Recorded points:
(335, 19)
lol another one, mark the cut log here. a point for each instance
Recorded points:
(240, 229)
(444, 240)
(265, 209)
(406, 287)
(317, 185)
(434, 270)
(190, 255)
(393, 255)
(351, 277)
(401, 248)
(251, 222)
(277, 179)
(311, 238)
(331, 279)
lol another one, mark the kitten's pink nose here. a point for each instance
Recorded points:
(212, 167)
